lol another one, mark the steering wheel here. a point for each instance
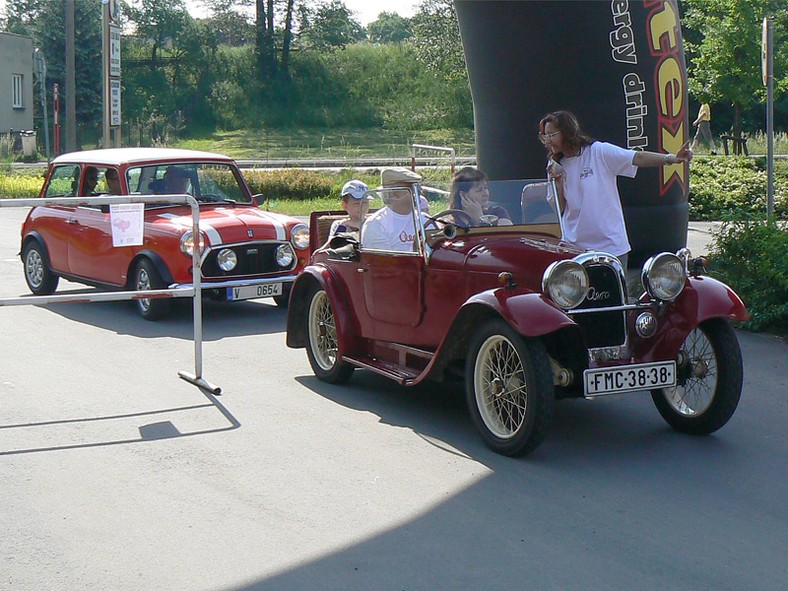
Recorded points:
(457, 213)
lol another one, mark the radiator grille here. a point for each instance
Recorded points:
(603, 329)
(256, 258)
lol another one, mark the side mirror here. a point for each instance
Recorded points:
(258, 199)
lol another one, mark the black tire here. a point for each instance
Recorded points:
(39, 277)
(710, 376)
(146, 276)
(283, 300)
(321, 342)
(509, 389)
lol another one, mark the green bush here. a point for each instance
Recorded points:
(734, 186)
(750, 256)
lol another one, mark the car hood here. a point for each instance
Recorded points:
(228, 224)
(525, 257)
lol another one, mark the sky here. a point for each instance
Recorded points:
(366, 10)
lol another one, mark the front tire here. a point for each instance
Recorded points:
(322, 346)
(710, 376)
(509, 389)
(38, 276)
(146, 276)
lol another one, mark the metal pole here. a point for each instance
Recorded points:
(71, 101)
(41, 70)
(770, 118)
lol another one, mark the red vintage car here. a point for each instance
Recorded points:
(522, 317)
(246, 252)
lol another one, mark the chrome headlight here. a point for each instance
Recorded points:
(566, 282)
(299, 236)
(227, 259)
(664, 276)
(187, 243)
(284, 255)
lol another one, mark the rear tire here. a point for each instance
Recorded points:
(509, 389)
(38, 276)
(146, 276)
(709, 381)
(322, 346)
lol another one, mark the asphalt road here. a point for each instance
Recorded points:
(115, 474)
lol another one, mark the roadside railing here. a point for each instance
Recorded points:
(194, 291)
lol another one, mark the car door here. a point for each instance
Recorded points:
(90, 251)
(51, 222)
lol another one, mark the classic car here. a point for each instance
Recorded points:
(245, 252)
(522, 317)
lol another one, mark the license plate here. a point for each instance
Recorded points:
(249, 292)
(629, 378)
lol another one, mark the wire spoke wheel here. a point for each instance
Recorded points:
(501, 391)
(509, 388)
(323, 343)
(710, 377)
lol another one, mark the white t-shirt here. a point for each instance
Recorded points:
(593, 216)
(387, 230)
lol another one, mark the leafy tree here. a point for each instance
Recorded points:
(229, 22)
(724, 48)
(389, 28)
(330, 26)
(436, 34)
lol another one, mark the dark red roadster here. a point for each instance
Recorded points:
(523, 316)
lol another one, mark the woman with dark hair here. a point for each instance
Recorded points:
(470, 193)
(585, 171)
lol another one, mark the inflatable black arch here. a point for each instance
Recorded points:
(617, 64)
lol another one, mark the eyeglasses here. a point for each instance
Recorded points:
(548, 136)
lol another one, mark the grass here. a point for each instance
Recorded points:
(299, 144)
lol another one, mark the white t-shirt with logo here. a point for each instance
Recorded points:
(593, 216)
(387, 230)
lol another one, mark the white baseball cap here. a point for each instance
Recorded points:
(356, 189)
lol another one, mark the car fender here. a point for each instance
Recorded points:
(530, 313)
(158, 262)
(702, 299)
(34, 235)
(318, 277)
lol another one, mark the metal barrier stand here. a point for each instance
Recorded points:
(194, 292)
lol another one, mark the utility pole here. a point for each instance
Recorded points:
(71, 100)
(41, 73)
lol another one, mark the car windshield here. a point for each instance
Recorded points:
(206, 182)
(509, 202)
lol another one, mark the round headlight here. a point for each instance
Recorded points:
(299, 236)
(187, 243)
(566, 282)
(664, 276)
(227, 259)
(284, 255)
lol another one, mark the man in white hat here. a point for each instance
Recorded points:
(355, 201)
(391, 227)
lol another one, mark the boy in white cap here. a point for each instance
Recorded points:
(391, 227)
(355, 202)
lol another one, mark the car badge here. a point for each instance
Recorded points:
(250, 233)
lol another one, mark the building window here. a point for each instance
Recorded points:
(19, 94)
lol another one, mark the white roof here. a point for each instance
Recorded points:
(117, 156)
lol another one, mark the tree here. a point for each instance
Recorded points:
(331, 26)
(389, 28)
(229, 22)
(723, 46)
(436, 34)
